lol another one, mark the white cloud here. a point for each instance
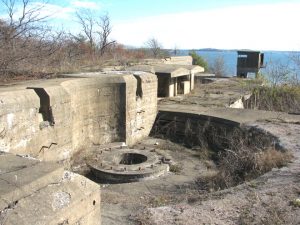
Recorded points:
(56, 11)
(42, 10)
(267, 26)
(86, 5)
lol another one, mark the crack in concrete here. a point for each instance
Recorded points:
(18, 168)
(12, 205)
(3, 133)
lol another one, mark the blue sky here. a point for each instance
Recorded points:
(248, 24)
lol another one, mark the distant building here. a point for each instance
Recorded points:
(172, 79)
(249, 62)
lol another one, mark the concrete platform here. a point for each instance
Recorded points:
(33, 192)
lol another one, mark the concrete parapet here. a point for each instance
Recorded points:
(54, 119)
(179, 60)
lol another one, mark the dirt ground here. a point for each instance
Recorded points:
(175, 198)
(270, 199)
(121, 202)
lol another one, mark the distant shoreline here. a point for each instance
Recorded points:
(230, 50)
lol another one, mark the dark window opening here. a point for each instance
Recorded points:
(262, 60)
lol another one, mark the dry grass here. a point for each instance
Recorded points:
(240, 165)
(271, 209)
(160, 200)
(176, 168)
(273, 214)
(284, 98)
(272, 158)
(240, 153)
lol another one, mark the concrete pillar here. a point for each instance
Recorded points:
(192, 80)
(186, 87)
(175, 86)
(171, 87)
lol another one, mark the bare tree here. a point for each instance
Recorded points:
(104, 33)
(26, 22)
(278, 72)
(87, 22)
(23, 35)
(218, 67)
(96, 30)
(295, 59)
(154, 46)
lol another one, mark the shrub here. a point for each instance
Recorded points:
(198, 60)
(284, 98)
(242, 164)
(218, 67)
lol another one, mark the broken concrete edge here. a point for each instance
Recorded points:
(44, 192)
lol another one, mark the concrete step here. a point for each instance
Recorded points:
(21, 177)
(35, 193)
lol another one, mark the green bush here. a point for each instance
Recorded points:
(198, 60)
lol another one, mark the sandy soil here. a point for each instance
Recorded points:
(268, 199)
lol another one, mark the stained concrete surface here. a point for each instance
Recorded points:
(34, 192)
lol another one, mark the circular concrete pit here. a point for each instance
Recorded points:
(119, 165)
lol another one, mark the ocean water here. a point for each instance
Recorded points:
(230, 60)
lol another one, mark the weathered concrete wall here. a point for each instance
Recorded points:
(98, 109)
(203, 131)
(86, 111)
(23, 128)
(141, 106)
(193, 129)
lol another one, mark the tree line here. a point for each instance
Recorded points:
(30, 47)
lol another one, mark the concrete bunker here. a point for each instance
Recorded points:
(119, 163)
(172, 79)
